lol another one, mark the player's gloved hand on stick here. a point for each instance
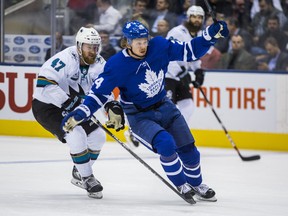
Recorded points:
(185, 77)
(199, 78)
(74, 118)
(115, 113)
(71, 103)
(216, 30)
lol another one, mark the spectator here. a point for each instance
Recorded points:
(162, 28)
(238, 58)
(80, 13)
(139, 12)
(273, 30)
(182, 17)
(59, 45)
(225, 44)
(260, 19)
(275, 60)
(176, 6)
(255, 6)
(107, 49)
(242, 13)
(211, 59)
(161, 12)
(109, 18)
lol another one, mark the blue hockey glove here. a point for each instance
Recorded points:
(199, 78)
(216, 30)
(115, 113)
(74, 118)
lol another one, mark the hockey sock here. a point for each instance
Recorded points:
(165, 145)
(173, 169)
(93, 156)
(82, 162)
(193, 174)
(190, 157)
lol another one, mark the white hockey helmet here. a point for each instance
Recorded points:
(195, 10)
(88, 36)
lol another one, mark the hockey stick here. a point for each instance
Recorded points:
(250, 158)
(211, 12)
(96, 121)
(247, 158)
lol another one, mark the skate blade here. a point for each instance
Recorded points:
(95, 195)
(199, 198)
(77, 183)
(129, 142)
(191, 200)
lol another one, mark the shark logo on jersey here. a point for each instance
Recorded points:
(154, 83)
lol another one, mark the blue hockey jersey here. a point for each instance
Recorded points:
(141, 82)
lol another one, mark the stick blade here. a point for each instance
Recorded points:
(251, 158)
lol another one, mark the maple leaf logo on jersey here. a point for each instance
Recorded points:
(154, 83)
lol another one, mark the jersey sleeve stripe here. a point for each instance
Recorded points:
(190, 54)
(43, 81)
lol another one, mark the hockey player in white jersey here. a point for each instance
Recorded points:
(178, 79)
(63, 81)
(139, 72)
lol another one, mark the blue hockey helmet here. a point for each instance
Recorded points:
(135, 29)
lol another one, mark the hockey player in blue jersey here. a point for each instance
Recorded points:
(139, 72)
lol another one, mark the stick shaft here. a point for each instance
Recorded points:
(249, 158)
(96, 121)
(211, 11)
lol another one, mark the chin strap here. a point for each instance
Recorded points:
(140, 57)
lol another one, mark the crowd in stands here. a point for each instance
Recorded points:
(258, 37)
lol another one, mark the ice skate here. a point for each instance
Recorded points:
(204, 193)
(187, 192)
(93, 187)
(90, 183)
(131, 140)
(76, 178)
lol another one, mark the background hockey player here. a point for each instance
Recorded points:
(63, 81)
(139, 72)
(178, 79)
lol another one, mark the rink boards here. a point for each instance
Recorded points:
(253, 106)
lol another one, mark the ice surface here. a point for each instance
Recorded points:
(35, 176)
